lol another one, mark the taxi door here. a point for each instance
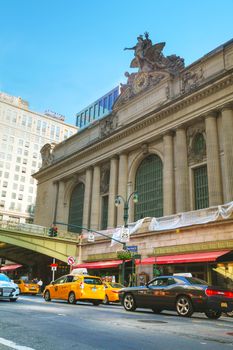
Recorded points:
(57, 290)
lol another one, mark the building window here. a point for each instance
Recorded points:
(104, 216)
(149, 184)
(29, 122)
(201, 187)
(76, 208)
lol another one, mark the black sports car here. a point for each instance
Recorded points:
(185, 294)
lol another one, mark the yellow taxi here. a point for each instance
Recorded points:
(111, 292)
(27, 286)
(76, 288)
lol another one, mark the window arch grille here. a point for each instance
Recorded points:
(149, 184)
(76, 208)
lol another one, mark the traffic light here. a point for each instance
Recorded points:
(52, 231)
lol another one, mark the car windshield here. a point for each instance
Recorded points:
(91, 280)
(194, 280)
(116, 285)
(4, 278)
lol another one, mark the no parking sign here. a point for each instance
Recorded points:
(70, 260)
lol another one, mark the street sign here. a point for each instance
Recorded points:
(132, 248)
(53, 265)
(91, 237)
(53, 268)
(124, 234)
(70, 260)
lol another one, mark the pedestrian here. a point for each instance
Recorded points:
(40, 284)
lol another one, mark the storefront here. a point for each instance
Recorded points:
(216, 267)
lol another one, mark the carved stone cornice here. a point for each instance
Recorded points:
(217, 84)
(210, 114)
(227, 106)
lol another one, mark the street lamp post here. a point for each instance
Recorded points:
(118, 200)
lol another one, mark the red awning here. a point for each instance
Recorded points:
(99, 264)
(10, 267)
(183, 258)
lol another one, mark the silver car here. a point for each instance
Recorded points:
(8, 289)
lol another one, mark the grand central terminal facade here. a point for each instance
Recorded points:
(170, 138)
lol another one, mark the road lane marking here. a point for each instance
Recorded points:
(13, 345)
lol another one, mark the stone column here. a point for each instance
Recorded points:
(60, 204)
(168, 176)
(87, 198)
(182, 188)
(213, 160)
(122, 186)
(112, 192)
(95, 202)
(227, 128)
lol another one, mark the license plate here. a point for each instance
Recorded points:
(94, 289)
(6, 294)
(223, 304)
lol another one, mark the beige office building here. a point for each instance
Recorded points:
(22, 134)
(170, 137)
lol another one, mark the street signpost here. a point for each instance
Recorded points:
(124, 234)
(70, 260)
(91, 237)
(132, 248)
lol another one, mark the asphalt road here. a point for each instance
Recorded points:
(33, 324)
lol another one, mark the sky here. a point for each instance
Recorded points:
(62, 55)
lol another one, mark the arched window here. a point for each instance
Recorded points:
(149, 184)
(76, 208)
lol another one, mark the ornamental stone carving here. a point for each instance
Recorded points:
(47, 154)
(192, 133)
(104, 178)
(191, 80)
(108, 125)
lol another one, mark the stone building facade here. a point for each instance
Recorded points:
(170, 137)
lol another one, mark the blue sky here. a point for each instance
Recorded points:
(62, 55)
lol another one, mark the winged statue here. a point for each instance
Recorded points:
(149, 57)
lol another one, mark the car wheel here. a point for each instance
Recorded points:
(156, 311)
(71, 298)
(13, 299)
(47, 296)
(96, 302)
(106, 300)
(129, 302)
(214, 315)
(184, 306)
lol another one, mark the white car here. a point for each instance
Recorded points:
(8, 289)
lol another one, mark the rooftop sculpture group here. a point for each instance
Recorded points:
(149, 57)
(152, 65)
